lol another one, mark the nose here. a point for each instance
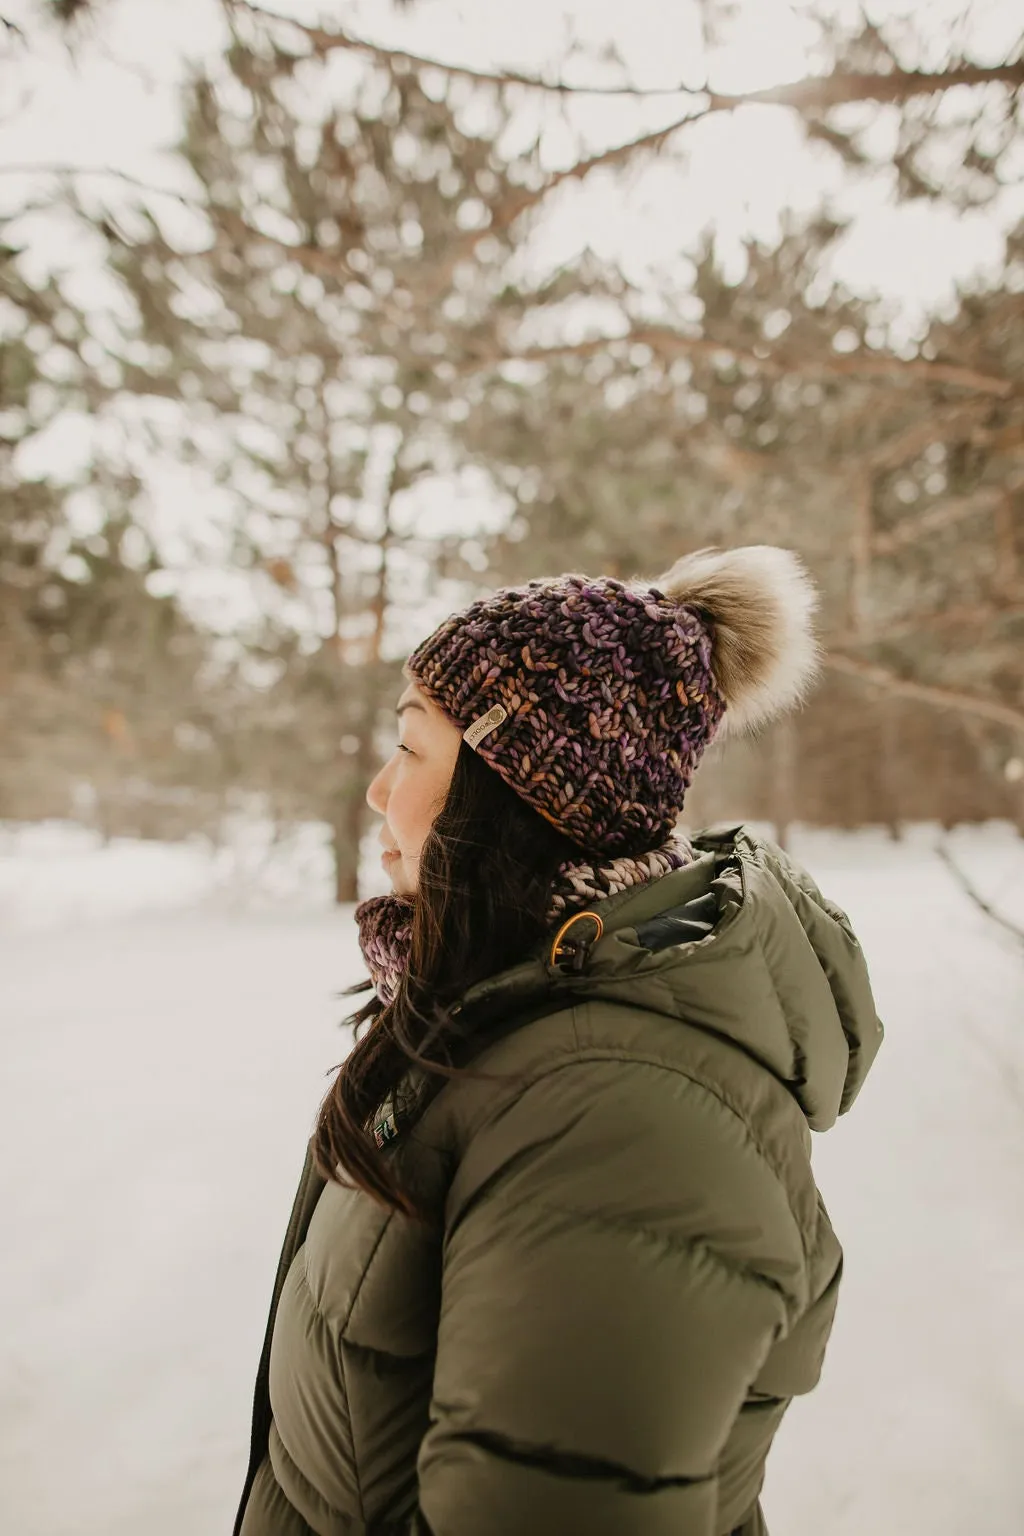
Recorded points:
(375, 797)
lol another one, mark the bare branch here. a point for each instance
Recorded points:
(814, 92)
(505, 214)
(938, 426)
(943, 515)
(1009, 604)
(921, 367)
(979, 901)
(665, 339)
(927, 693)
(658, 338)
(823, 91)
(323, 41)
(104, 170)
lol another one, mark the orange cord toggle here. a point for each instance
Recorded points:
(576, 950)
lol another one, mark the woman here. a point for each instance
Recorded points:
(557, 1262)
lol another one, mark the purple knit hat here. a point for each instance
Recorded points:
(595, 698)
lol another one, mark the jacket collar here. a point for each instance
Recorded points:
(741, 943)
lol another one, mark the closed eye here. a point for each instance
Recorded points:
(403, 748)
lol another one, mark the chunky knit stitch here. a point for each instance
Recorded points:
(609, 696)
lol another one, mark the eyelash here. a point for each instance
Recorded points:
(403, 748)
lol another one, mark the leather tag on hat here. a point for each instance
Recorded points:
(484, 726)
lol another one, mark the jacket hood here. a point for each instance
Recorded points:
(740, 942)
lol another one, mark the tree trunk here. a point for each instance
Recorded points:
(889, 766)
(348, 814)
(784, 780)
(346, 867)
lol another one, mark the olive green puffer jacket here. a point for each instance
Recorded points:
(628, 1271)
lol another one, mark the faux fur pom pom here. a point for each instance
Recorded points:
(761, 600)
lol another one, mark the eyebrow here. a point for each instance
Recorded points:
(410, 704)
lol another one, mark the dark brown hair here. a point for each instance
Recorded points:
(485, 875)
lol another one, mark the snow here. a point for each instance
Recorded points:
(170, 1019)
(56, 874)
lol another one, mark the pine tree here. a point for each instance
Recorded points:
(100, 707)
(326, 328)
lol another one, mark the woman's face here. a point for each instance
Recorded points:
(411, 787)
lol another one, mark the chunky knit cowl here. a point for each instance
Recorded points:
(385, 922)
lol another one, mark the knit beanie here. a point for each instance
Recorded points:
(595, 698)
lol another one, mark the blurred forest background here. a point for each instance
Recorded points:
(339, 323)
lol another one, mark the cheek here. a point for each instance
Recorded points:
(409, 811)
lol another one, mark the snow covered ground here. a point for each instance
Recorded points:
(169, 1017)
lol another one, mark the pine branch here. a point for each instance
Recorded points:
(815, 93)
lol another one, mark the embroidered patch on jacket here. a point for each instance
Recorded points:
(385, 1128)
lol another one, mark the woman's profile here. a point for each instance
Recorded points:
(557, 1262)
